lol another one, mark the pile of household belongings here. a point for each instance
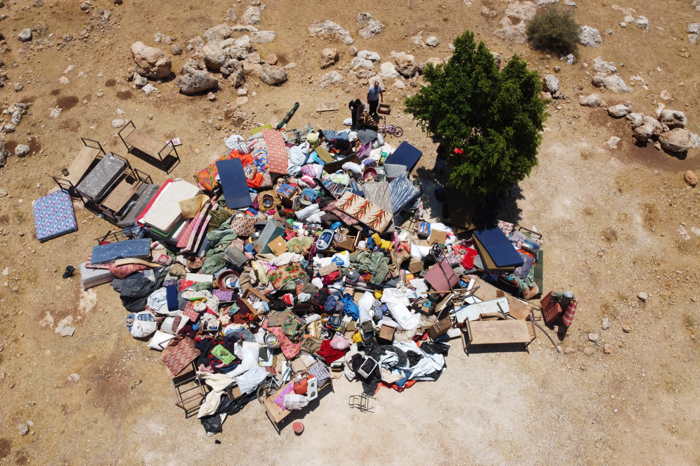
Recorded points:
(300, 246)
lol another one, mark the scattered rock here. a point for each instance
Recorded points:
(262, 37)
(331, 31)
(211, 97)
(218, 32)
(329, 57)
(85, 6)
(620, 110)
(589, 37)
(195, 81)
(149, 89)
(370, 26)
(242, 91)
(139, 81)
(607, 348)
(569, 350)
(252, 15)
(19, 87)
(25, 35)
(589, 351)
(23, 428)
(636, 119)
(673, 118)
(613, 142)
(649, 129)
(405, 64)
(273, 75)
(73, 378)
(514, 22)
(151, 61)
(691, 178)
(118, 123)
(22, 150)
(693, 32)
(551, 84)
(642, 23)
(64, 328)
(240, 101)
(432, 41)
(387, 70)
(369, 55)
(643, 296)
(271, 59)
(489, 13)
(626, 328)
(399, 84)
(677, 141)
(605, 323)
(330, 79)
(612, 82)
(55, 112)
(593, 337)
(602, 66)
(593, 100)
(665, 95)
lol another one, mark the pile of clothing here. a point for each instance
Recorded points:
(319, 269)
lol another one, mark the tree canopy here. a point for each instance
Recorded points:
(492, 116)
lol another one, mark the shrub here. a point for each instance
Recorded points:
(493, 118)
(555, 30)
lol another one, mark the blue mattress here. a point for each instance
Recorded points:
(405, 155)
(499, 248)
(131, 248)
(233, 182)
(54, 216)
(403, 193)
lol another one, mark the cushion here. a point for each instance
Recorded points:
(54, 216)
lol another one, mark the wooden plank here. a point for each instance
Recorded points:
(498, 332)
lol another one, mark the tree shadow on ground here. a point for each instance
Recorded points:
(459, 210)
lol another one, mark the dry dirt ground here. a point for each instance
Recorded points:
(616, 223)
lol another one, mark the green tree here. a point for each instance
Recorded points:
(493, 117)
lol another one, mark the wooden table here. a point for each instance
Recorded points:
(498, 332)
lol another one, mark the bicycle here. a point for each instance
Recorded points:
(392, 130)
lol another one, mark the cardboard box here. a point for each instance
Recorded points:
(440, 328)
(386, 332)
(437, 236)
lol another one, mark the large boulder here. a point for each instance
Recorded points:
(233, 70)
(551, 84)
(252, 15)
(387, 70)
(151, 62)
(678, 140)
(673, 118)
(593, 100)
(405, 64)
(218, 32)
(602, 66)
(635, 119)
(330, 79)
(329, 57)
(589, 36)
(194, 81)
(619, 110)
(214, 55)
(332, 31)
(369, 55)
(611, 82)
(262, 37)
(370, 26)
(649, 129)
(513, 25)
(272, 75)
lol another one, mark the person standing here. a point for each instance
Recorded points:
(356, 109)
(374, 96)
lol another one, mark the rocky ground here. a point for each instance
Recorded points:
(620, 222)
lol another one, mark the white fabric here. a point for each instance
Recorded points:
(292, 401)
(473, 311)
(247, 352)
(210, 404)
(418, 251)
(365, 305)
(251, 379)
(165, 210)
(427, 364)
(159, 340)
(397, 301)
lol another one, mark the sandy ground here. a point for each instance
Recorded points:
(616, 223)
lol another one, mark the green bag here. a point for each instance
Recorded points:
(222, 354)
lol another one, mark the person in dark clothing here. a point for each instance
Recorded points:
(374, 96)
(356, 109)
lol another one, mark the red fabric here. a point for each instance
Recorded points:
(568, 318)
(289, 348)
(331, 277)
(468, 259)
(328, 353)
